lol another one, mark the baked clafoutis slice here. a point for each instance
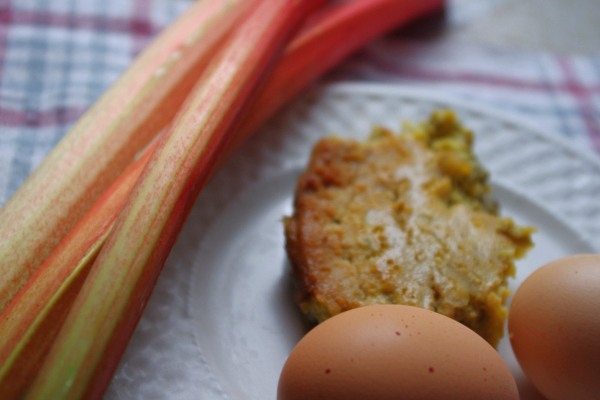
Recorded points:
(406, 219)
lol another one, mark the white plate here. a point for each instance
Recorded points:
(221, 320)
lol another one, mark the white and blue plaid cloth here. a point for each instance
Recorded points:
(57, 57)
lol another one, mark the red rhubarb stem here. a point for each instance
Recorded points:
(330, 38)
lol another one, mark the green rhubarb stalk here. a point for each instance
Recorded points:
(40, 307)
(106, 139)
(110, 303)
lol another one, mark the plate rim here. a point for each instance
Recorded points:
(456, 101)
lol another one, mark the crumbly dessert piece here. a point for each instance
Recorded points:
(403, 219)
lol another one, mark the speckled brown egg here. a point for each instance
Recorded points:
(554, 328)
(394, 352)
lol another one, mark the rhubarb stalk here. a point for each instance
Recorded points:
(30, 323)
(110, 303)
(106, 139)
(332, 36)
(334, 33)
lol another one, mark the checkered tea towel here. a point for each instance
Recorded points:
(57, 57)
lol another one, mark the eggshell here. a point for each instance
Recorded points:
(394, 352)
(554, 328)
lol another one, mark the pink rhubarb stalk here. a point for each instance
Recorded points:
(111, 301)
(31, 322)
(106, 139)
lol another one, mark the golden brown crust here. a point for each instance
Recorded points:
(403, 219)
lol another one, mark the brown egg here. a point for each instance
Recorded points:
(394, 352)
(554, 328)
